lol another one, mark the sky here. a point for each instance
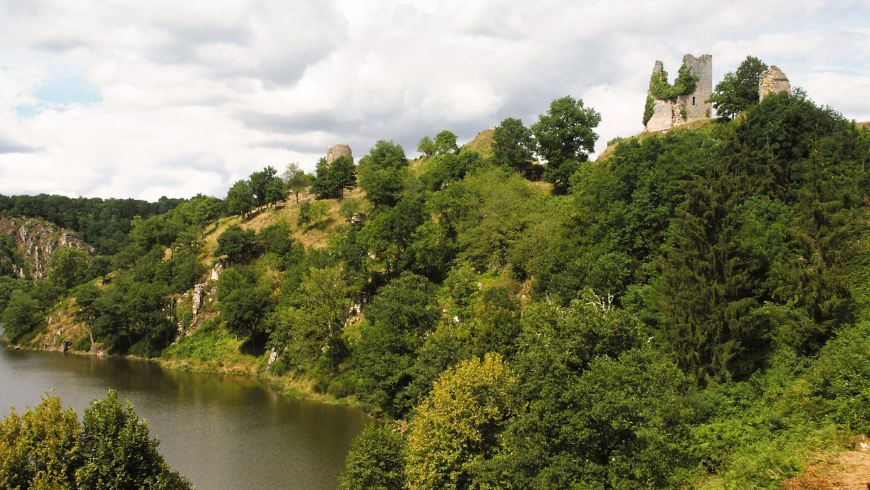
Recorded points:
(121, 99)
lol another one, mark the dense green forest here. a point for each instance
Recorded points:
(690, 311)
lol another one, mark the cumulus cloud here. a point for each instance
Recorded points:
(187, 97)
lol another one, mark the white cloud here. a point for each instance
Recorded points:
(196, 95)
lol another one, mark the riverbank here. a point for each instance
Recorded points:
(207, 351)
(220, 431)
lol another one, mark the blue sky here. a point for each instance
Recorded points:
(144, 99)
(58, 93)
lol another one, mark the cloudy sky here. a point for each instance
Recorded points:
(117, 98)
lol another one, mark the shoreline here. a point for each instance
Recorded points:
(281, 385)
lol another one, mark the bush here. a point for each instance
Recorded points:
(278, 368)
(840, 380)
(342, 387)
(186, 321)
(82, 345)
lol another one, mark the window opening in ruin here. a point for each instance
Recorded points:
(693, 101)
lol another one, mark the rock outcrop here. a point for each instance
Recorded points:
(36, 240)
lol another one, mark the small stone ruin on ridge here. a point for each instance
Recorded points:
(679, 105)
(772, 81)
(682, 108)
(339, 150)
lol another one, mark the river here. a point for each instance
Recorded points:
(221, 432)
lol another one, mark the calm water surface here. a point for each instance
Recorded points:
(221, 432)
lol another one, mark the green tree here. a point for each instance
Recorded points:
(236, 243)
(304, 214)
(240, 198)
(244, 309)
(457, 426)
(343, 174)
(68, 267)
(376, 460)
(426, 146)
(276, 238)
(445, 142)
(40, 449)
(564, 136)
(119, 453)
(738, 90)
(324, 184)
(20, 316)
(146, 306)
(382, 173)
(512, 145)
(309, 329)
(87, 300)
(400, 315)
(266, 187)
(295, 179)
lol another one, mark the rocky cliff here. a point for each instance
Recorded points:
(35, 240)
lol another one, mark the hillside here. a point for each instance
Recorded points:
(690, 311)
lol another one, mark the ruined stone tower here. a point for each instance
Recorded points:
(339, 150)
(772, 81)
(683, 108)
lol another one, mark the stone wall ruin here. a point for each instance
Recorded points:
(772, 81)
(668, 113)
(339, 150)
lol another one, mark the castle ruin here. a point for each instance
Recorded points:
(772, 81)
(684, 108)
(339, 150)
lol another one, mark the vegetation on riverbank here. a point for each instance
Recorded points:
(690, 311)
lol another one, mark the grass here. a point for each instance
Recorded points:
(211, 349)
(482, 143)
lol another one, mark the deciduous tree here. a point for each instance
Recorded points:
(564, 137)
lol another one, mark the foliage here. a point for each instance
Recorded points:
(376, 460)
(738, 90)
(333, 178)
(243, 310)
(382, 173)
(68, 267)
(236, 243)
(648, 109)
(840, 380)
(295, 179)
(103, 223)
(685, 84)
(457, 425)
(40, 449)
(309, 329)
(564, 136)
(48, 448)
(21, 314)
(118, 451)
(445, 142)
(512, 146)
(400, 316)
(266, 187)
(240, 198)
(426, 146)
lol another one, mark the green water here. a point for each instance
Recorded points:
(221, 432)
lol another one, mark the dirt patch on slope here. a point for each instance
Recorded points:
(848, 470)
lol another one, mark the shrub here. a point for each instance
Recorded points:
(278, 368)
(82, 345)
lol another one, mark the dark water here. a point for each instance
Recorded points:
(221, 432)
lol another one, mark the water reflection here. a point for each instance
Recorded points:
(219, 431)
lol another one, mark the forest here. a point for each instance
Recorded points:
(689, 311)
